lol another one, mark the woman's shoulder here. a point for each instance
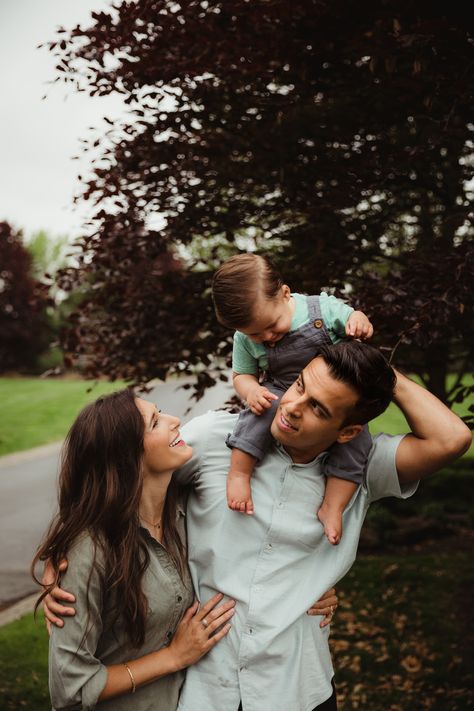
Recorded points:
(85, 552)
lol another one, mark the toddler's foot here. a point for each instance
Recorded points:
(331, 518)
(239, 494)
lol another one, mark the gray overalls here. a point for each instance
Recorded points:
(286, 359)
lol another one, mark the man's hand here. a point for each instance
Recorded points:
(52, 606)
(259, 399)
(326, 605)
(359, 326)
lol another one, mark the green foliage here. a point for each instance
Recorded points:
(49, 253)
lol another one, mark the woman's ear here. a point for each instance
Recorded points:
(348, 433)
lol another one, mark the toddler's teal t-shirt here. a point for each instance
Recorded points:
(249, 357)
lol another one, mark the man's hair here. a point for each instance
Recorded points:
(237, 285)
(363, 368)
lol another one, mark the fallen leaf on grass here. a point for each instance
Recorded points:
(411, 664)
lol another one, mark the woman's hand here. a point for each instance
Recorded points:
(52, 606)
(200, 630)
(326, 605)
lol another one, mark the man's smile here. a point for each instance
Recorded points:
(284, 424)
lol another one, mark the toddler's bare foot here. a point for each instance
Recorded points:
(331, 518)
(239, 494)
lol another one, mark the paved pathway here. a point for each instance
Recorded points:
(28, 491)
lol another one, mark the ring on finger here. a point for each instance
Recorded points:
(205, 623)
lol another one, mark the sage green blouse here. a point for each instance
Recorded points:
(80, 651)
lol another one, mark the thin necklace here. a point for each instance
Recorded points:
(150, 523)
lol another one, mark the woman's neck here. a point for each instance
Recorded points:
(152, 500)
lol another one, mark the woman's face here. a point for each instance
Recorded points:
(165, 450)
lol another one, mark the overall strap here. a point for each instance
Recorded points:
(314, 308)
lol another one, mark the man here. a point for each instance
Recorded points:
(276, 562)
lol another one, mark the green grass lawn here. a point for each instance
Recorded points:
(36, 411)
(401, 639)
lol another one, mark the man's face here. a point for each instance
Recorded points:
(311, 413)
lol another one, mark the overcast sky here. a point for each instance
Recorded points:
(38, 138)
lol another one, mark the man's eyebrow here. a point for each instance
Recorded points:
(314, 401)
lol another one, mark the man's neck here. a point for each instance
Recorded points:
(303, 457)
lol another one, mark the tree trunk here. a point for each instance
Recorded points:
(436, 370)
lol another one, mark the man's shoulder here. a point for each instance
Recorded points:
(382, 476)
(209, 425)
(206, 434)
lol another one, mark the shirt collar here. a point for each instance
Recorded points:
(282, 451)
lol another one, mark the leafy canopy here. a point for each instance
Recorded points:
(337, 136)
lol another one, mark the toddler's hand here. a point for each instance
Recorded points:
(359, 326)
(260, 399)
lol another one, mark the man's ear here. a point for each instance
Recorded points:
(285, 292)
(348, 433)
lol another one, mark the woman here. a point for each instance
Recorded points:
(121, 526)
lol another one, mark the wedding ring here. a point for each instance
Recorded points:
(205, 623)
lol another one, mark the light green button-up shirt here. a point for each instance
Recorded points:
(80, 651)
(275, 564)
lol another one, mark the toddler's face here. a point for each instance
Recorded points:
(271, 318)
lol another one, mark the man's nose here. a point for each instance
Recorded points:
(294, 406)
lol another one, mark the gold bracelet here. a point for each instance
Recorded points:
(134, 686)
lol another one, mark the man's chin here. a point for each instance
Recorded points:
(277, 433)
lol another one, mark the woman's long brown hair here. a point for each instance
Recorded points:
(100, 486)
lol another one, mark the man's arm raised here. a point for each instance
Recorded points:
(437, 437)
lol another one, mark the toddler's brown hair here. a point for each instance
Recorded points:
(237, 285)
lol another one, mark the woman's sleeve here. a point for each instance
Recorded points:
(76, 676)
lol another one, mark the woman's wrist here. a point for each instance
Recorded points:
(171, 660)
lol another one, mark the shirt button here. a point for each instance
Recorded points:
(243, 668)
(318, 323)
(179, 598)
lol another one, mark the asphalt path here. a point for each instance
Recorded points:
(28, 490)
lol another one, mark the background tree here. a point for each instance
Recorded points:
(49, 254)
(23, 302)
(337, 136)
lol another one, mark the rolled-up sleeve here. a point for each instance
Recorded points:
(76, 675)
(382, 476)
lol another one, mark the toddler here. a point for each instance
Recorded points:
(278, 334)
